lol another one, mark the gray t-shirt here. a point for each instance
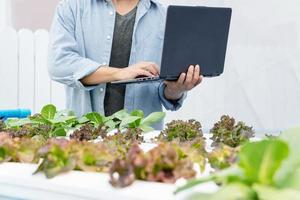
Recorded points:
(120, 55)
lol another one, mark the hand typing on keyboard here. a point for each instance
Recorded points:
(139, 70)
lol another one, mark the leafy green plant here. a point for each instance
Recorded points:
(232, 191)
(137, 120)
(48, 123)
(121, 174)
(89, 132)
(2, 126)
(19, 150)
(165, 163)
(195, 151)
(228, 132)
(57, 158)
(222, 157)
(181, 130)
(5, 148)
(261, 168)
(61, 155)
(26, 150)
(189, 137)
(52, 123)
(266, 192)
(29, 131)
(95, 157)
(242, 172)
(123, 120)
(99, 120)
(288, 176)
(125, 137)
(269, 168)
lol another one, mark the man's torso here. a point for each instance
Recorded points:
(119, 58)
(94, 28)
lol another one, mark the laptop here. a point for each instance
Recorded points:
(193, 35)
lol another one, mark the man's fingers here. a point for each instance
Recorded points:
(153, 69)
(196, 74)
(142, 72)
(199, 81)
(181, 78)
(189, 75)
(188, 84)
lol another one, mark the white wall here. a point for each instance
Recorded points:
(32, 14)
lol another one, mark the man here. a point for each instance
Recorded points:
(94, 42)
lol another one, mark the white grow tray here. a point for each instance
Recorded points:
(17, 182)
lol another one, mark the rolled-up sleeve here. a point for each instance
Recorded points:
(170, 105)
(65, 63)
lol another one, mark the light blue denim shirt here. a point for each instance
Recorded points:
(81, 41)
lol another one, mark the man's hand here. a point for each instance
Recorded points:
(105, 74)
(139, 69)
(187, 81)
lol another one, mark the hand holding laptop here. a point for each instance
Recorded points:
(187, 81)
(174, 89)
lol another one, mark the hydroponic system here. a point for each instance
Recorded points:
(229, 162)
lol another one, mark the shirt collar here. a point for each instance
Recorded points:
(146, 3)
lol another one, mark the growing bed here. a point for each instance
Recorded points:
(121, 157)
(18, 182)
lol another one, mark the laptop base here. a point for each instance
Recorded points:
(138, 80)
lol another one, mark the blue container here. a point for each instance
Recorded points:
(15, 113)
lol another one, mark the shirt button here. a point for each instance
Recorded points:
(101, 90)
(104, 63)
(108, 37)
(111, 13)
